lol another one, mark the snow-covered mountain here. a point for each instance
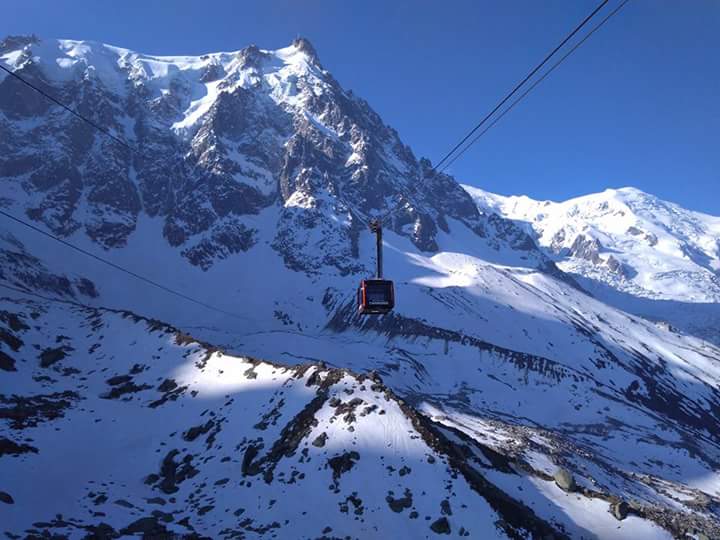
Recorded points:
(633, 250)
(495, 381)
(217, 137)
(195, 442)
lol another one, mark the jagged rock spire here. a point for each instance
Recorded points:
(304, 45)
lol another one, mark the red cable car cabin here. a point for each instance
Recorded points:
(376, 296)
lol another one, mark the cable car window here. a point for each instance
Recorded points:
(378, 293)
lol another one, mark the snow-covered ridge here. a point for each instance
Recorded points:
(160, 434)
(629, 242)
(651, 237)
(218, 137)
(127, 426)
(204, 76)
(58, 57)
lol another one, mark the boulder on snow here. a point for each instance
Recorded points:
(343, 463)
(50, 356)
(6, 498)
(619, 509)
(399, 504)
(565, 480)
(320, 440)
(441, 526)
(7, 363)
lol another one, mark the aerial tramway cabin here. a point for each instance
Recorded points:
(376, 296)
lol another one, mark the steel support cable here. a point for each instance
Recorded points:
(123, 269)
(535, 84)
(521, 83)
(88, 253)
(69, 109)
(421, 184)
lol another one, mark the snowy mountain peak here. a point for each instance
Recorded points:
(65, 59)
(631, 248)
(241, 133)
(629, 190)
(303, 45)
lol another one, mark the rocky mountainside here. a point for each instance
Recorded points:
(122, 425)
(215, 138)
(499, 399)
(633, 250)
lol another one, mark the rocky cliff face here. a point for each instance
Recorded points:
(214, 139)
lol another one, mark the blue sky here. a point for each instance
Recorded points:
(638, 104)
